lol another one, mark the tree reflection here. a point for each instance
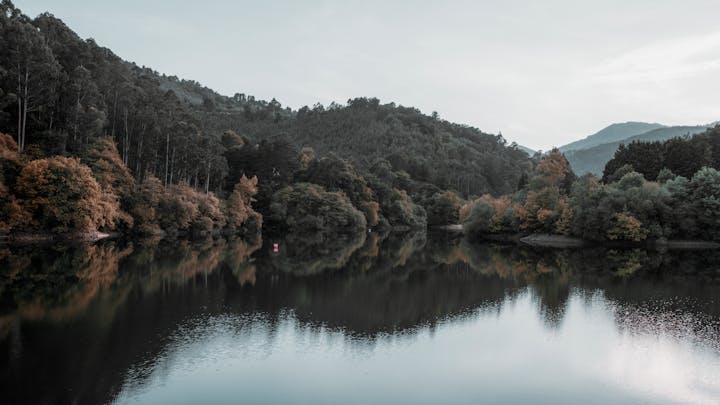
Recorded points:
(85, 314)
(306, 254)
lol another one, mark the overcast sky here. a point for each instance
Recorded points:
(543, 72)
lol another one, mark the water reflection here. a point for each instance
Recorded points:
(410, 317)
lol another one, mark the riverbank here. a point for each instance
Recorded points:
(25, 238)
(537, 240)
(542, 240)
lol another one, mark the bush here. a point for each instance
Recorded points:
(308, 207)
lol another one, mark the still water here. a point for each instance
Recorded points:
(378, 318)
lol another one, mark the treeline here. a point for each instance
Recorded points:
(95, 192)
(642, 199)
(302, 192)
(683, 156)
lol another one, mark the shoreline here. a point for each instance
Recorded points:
(25, 238)
(533, 240)
(544, 240)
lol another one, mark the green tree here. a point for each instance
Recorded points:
(444, 209)
(306, 207)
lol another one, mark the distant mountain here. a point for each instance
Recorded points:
(613, 133)
(594, 159)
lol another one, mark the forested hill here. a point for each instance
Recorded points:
(594, 159)
(611, 133)
(59, 92)
(429, 149)
(680, 156)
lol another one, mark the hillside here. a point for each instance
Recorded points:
(612, 133)
(662, 160)
(178, 131)
(593, 160)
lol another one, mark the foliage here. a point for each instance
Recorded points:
(108, 168)
(444, 209)
(61, 194)
(182, 209)
(683, 156)
(145, 205)
(627, 209)
(238, 205)
(626, 227)
(308, 207)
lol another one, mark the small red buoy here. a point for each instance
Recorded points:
(276, 247)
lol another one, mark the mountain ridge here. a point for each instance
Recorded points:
(593, 159)
(611, 133)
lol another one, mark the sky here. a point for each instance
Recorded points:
(544, 73)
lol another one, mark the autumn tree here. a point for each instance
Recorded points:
(62, 195)
(546, 208)
(239, 210)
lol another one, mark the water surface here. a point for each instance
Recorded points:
(375, 318)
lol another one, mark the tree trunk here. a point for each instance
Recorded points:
(19, 102)
(207, 180)
(138, 162)
(172, 164)
(25, 108)
(112, 132)
(75, 118)
(167, 157)
(126, 140)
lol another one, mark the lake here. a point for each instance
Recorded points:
(376, 318)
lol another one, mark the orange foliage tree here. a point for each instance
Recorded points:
(546, 208)
(61, 195)
(111, 173)
(11, 213)
(238, 207)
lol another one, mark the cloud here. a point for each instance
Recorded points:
(662, 61)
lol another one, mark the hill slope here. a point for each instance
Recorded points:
(612, 133)
(173, 128)
(593, 160)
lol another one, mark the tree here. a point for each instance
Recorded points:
(111, 173)
(33, 67)
(444, 209)
(239, 205)
(306, 207)
(61, 195)
(626, 227)
(145, 205)
(88, 116)
(705, 196)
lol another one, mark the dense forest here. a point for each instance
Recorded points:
(593, 159)
(683, 156)
(650, 191)
(97, 143)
